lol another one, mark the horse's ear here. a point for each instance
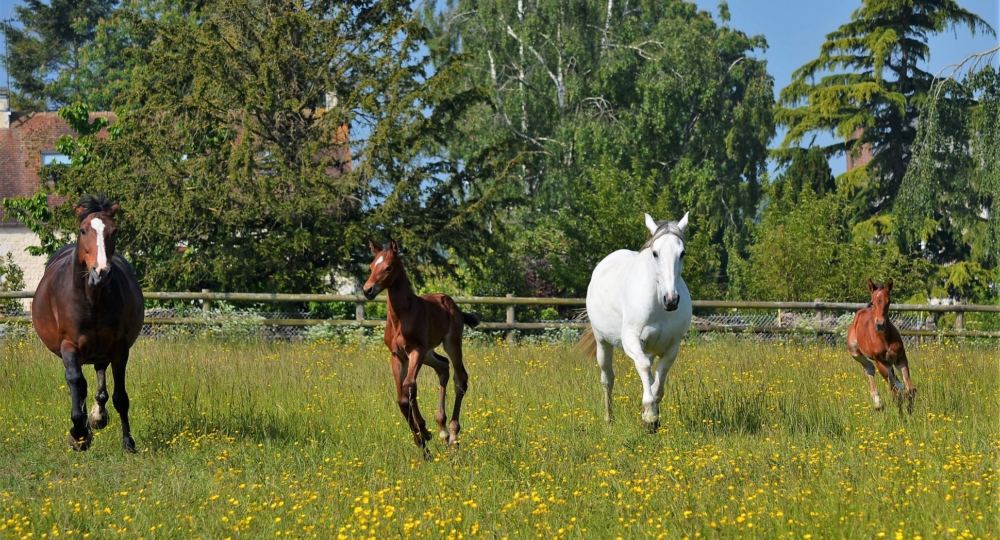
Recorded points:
(79, 210)
(393, 246)
(683, 223)
(373, 247)
(650, 224)
(871, 286)
(113, 210)
(888, 285)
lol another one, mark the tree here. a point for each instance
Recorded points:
(43, 56)
(950, 198)
(259, 148)
(654, 89)
(867, 86)
(808, 252)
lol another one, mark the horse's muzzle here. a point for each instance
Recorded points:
(670, 302)
(99, 278)
(370, 292)
(880, 326)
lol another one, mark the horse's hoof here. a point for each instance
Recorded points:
(128, 445)
(82, 444)
(652, 427)
(443, 435)
(98, 418)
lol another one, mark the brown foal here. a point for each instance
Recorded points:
(415, 325)
(873, 338)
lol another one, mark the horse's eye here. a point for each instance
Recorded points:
(657, 255)
(83, 231)
(388, 268)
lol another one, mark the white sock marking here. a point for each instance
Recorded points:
(102, 256)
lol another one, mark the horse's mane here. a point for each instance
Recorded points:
(664, 228)
(94, 204)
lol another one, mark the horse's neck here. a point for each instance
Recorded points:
(400, 294)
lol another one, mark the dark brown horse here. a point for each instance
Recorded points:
(88, 309)
(873, 338)
(415, 325)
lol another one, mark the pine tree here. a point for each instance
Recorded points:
(867, 87)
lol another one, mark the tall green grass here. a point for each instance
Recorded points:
(306, 440)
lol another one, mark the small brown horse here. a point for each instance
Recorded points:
(88, 309)
(873, 338)
(414, 327)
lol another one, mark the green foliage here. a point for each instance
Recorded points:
(808, 253)
(948, 207)
(656, 90)
(34, 212)
(11, 279)
(866, 86)
(44, 51)
(269, 140)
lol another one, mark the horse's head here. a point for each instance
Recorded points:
(667, 246)
(880, 303)
(385, 267)
(96, 243)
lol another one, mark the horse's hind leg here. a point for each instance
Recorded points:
(605, 361)
(911, 390)
(98, 418)
(120, 400)
(453, 346)
(79, 435)
(440, 365)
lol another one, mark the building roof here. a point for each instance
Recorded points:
(21, 148)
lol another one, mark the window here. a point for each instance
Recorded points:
(54, 158)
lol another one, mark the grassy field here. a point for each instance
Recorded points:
(305, 440)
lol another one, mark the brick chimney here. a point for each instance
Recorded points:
(4, 108)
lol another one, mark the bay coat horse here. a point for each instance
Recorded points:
(88, 309)
(875, 343)
(637, 301)
(415, 325)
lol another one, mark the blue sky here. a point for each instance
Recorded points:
(795, 29)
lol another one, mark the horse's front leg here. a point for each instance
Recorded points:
(408, 399)
(659, 383)
(120, 399)
(99, 413)
(643, 363)
(79, 435)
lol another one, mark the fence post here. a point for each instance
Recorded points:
(206, 305)
(359, 311)
(960, 319)
(779, 319)
(819, 314)
(510, 320)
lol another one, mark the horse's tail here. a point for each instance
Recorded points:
(470, 319)
(587, 346)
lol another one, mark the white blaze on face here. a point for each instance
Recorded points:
(102, 254)
(378, 261)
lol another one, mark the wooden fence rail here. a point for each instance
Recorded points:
(206, 297)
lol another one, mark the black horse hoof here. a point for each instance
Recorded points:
(82, 444)
(129, 445)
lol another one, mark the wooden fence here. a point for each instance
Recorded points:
(510, 324)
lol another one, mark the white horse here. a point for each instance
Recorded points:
(639, 303)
